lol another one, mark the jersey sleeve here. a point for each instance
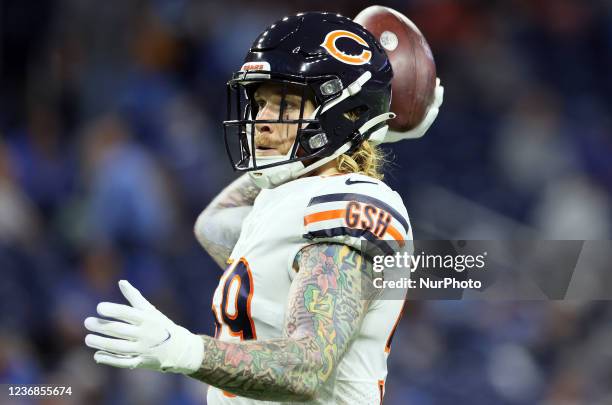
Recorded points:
(358, 209)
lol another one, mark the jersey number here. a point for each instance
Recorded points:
(235, 309)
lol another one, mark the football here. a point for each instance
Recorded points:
(414, 69)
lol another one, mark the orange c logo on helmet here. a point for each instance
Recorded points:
(329, 43)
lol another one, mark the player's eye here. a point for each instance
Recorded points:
(260, 103)
(294, 103)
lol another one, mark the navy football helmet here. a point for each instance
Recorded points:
(336, 63)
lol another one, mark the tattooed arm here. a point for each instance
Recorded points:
(325, 309)
(218, 226)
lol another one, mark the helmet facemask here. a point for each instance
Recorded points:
(326, 134)
(287, 116)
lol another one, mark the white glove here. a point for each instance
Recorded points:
(145, 338)
(430, 117)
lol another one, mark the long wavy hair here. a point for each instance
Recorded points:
(368, 159)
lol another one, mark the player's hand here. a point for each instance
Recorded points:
(145, 338)
(430, 117)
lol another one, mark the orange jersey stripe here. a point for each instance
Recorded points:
(324, 216)
(335, 214)
(395, 234)
(397, 321)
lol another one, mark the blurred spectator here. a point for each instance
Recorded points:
(18, 216)
(43, 161)
(573, 208)
(128, 198)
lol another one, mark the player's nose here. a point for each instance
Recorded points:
(263, 128)
(264, 114)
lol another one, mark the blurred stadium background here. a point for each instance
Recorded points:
(111, 144)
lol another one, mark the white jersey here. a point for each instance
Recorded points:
(251, 298)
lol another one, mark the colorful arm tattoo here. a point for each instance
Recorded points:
(325, 310)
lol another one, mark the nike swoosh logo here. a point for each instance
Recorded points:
(348, 182)
(163, 341)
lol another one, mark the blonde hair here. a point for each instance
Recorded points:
(368, 159)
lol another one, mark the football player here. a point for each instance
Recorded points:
(294, 321)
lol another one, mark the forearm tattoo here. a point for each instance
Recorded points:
(240, 193)
(325, 309)
(218, 227)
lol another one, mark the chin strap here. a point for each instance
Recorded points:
(321, 162)
(377, 136)
(277, 175)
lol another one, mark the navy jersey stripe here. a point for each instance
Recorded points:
(356, 233)
(361, 198)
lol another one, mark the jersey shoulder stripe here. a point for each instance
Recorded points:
(353, 213)
(363, 198)
(384, 246)
(339, 214)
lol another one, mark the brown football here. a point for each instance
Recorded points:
(414, 69)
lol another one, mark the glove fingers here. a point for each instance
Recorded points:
(134, 296)
(121, 312)
(118, 346)
(438, 96)
(433, 110)
(110, 359)
(111, 328)
(421, 129)
(430, 117)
